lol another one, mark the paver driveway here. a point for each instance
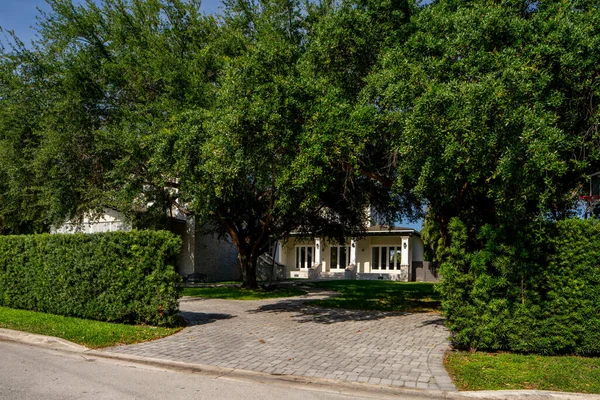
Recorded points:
(287, 336)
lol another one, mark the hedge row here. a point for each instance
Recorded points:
(535, 290)
(116, 276)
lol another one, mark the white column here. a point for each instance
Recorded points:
(405, 251)
(353, 248)
(318, 251)
(280, 258)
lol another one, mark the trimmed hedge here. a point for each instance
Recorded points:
(535, 290)
(116, 276)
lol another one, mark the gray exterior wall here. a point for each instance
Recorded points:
(216, 258)
(185, 262)
(205, 254)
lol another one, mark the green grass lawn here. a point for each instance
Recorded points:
(89, 333)
(503, 371)
(237, 293)
(381, 295)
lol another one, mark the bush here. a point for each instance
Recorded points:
(535, 290)
(116, 276)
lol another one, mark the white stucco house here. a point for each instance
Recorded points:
(380, 252)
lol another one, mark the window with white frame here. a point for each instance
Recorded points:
(304, 256)
(386, 258)
(339, 257)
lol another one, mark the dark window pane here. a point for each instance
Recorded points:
(384, 255)
(343, 263)
(375, 257)
(310, 255)
(297, 257)
(302, 257)
(334, 257)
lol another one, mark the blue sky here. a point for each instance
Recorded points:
(20, 15)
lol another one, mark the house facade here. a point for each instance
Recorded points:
(381, 252)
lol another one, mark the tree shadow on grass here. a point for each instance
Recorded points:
(304, 311)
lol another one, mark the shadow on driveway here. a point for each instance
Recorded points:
(198, 318)
(438, 322)
(305, 312)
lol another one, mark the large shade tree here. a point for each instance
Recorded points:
(152, 108)
(271, 156)
(86, 107)
(492, 109)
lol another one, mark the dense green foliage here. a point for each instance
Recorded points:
(491, 107)
(88, 109)
(89, 333)
(503, 371)
(539, 293)
(119, 276)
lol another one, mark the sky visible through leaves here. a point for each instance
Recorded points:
(20, 15)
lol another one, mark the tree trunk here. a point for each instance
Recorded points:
(248, 264)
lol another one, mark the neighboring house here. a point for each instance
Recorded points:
(380, 252)
(200, 253)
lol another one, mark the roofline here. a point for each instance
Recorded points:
(385, 232)
(394, 232)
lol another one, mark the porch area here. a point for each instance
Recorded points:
(381, 254)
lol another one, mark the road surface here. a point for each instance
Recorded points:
(31, 372)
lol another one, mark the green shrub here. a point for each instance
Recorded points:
(532, 290)
(116, 276)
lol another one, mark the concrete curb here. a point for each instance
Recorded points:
(349, 388)
(40, 340)
(306, 383)
(299, 382)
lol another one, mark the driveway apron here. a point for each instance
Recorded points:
(291, 337)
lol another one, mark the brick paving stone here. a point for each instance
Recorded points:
(290, 337)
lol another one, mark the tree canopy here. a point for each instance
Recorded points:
(285, 115)
(492, 109)
(152, 108)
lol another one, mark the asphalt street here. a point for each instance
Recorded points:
(31, 372)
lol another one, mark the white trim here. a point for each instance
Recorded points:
(393, 231)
